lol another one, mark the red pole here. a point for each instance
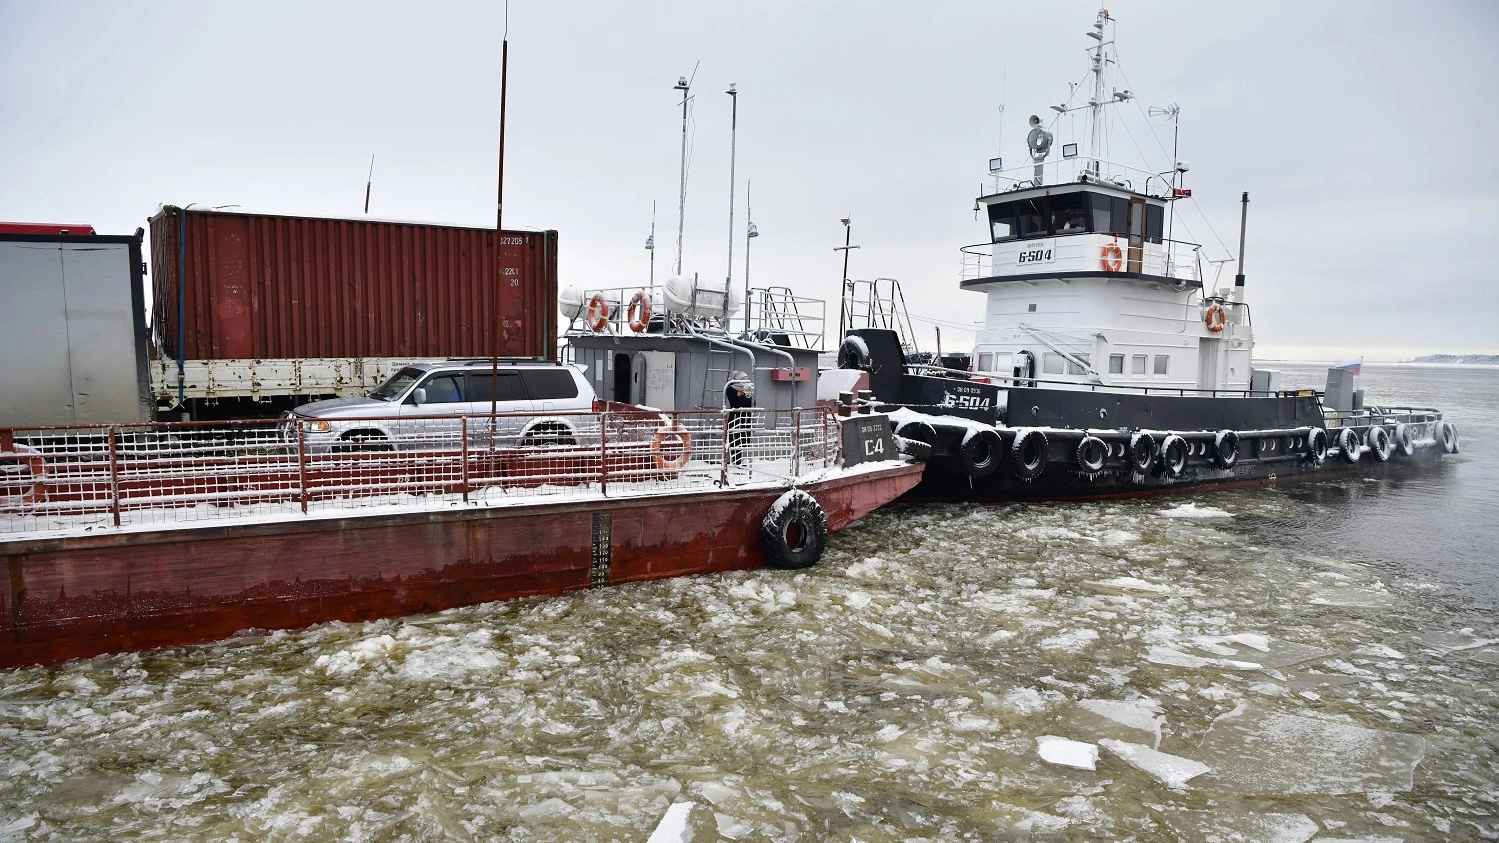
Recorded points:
(302, 463)
(464, 452)
(114, 478)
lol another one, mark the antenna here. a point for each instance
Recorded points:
(367, 182)
(733, 139)
(650, 243)
(684, 84)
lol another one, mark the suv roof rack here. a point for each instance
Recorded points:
(507, 361)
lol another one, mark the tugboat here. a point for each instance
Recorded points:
(1109, 363)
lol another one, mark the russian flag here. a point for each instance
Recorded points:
(1354, 366)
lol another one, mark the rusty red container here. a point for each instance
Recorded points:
(267, 286)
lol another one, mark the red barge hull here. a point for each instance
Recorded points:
(81, 596)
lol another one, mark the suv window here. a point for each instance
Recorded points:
(510, 387)
(549, 384)
(444, 389)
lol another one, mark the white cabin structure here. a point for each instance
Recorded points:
(1083, 284)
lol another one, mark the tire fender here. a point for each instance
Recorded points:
(1348, 445)
(1378, 441)
(1174, 454)
(1142, 453)
(1226, 449)
(981, 453)
(1091, 454)
(1029, 453)
(794, 532)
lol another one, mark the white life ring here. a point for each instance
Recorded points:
(1112, 258)
(663, 440)
(639, 312)
(597, 315)
(1216, 317)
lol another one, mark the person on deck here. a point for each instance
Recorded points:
(738, 397)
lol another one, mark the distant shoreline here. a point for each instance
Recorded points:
(1465, 359)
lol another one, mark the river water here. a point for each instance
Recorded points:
(1304, 661)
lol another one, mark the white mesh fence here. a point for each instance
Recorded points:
(84, 479)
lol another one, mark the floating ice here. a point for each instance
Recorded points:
(546, 809)
(1131, 720)
(1262, 650)
(1349, 597)
(1066, 752)
(1225, 827)
(1129, 584)
(1073, 640)
(1192, 510)
(1252, 751)
(1161, 654)
(1171, 770)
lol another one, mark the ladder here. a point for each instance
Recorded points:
(876, 304)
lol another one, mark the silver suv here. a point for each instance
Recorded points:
(400, 413)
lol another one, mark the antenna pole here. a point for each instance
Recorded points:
(1095, 106)
(1243, 223)
(848, 234)
(733, 139)
(684, 86)
(499, 249)
(369, 180)
(650, 243)
(749, 235)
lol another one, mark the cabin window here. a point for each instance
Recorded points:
(1002, 363)
(1053, 364)
(1002, 221)
(1030, 217)
(1162, 362)
(986, 363)
(1075, 368)
(1116, 364)
(1069, 213)
(1154, 228)
(1137, 364)
(1137, 219)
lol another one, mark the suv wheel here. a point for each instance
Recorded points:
(363, 441)
(548, 435)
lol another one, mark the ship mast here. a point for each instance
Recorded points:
(1096, 104)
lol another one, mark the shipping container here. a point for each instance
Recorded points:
(263, 286)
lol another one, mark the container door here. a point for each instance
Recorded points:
(1136, 233)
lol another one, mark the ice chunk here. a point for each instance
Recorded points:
(673, 826)
(1259, 649)
(1161, 654)
(1349, 597)
(1225, 827)
(1170, 770)
(1131, 720)
(1072, 640)
(1067, 753)
(546, 810)
(1252, 751)
(731, 828)
(1192, 510)
(1129, 584)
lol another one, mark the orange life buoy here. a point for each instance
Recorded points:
(640, 311)
(1112, 257)
(1216, 317)
(598, 313)
(682, 440)
(35, 464)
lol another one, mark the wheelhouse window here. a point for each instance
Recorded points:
(1031, 217)
(1137, 364)
(1002, 221)
(1154, 228)
(1069, 213)
(1162, 363)
(1116, 364)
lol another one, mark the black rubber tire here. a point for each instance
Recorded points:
(547, 436)
(794, 532)
(1445, 434)
(1379, 443)
(914, 448)
(1091, 454)
(851, 355)
(1029, 453)
(918, 431)
(1226, 449)
(1348, 445)
(1141, 453)
(1405, 443)
(1316, 445)
(1174, 454)
(360, 442)
(981, 454)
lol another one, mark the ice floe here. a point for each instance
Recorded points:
(1192, 510)
(1171, 770)
(1066, 752)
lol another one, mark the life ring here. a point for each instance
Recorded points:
(1445, 434)
(1028, 454)
(1216, 317)
(1091, 454)
(1379, 443)
(1405, 443)
(1348, 445)
(36, 466)
(1174, 453)
(1141, 453)
(1112, 258)
(794, 532)
(674, 437)
(639, 312)
(1226, 449)
(1316, 445)
(597, 315)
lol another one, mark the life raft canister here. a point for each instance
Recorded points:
(597, 315)
(1216, 317)
(672, 438)
(1112, 258)
(640, 311)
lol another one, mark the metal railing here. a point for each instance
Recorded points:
(1082, 170)
(1081, 252)
(774, 312)
(84, 479)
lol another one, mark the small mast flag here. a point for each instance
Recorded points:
(1353, 366)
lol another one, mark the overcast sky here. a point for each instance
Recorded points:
(1363, 131)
